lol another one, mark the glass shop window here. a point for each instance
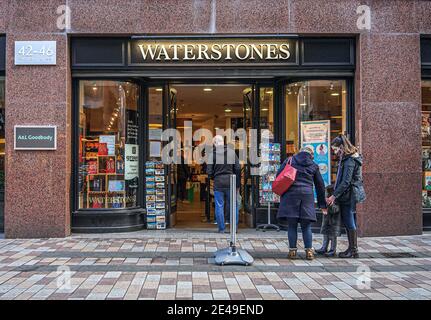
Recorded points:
(108, 145)
(267, 108)
(155, 122)
(316, 114)
(2, 150)
(426, 143)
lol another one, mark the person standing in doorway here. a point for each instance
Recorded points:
(183, 175)
(349, 189)
(222, 163)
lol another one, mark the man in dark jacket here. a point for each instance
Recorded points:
(297, 203)
(221, 165)
(183, 175)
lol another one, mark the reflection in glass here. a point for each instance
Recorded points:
(2, 150)
(108, 145)
(266, 108)
(155, 121)
(426, 143)
(311, 101)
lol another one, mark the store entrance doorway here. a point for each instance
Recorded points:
(210, 107)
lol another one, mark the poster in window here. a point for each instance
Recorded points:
(131, 161)
(427, 180)
(155, 134)
(155, 149)
(316, 135)
(109, 141)
(132, 127)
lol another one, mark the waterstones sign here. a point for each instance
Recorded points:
(213, 51)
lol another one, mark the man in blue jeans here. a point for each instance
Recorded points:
(222, 163)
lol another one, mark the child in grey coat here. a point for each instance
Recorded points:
(331, 227)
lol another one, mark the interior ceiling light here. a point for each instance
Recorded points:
(159, 89)
(265, 109)
(227, 110)
(208, 89)
(335, 94)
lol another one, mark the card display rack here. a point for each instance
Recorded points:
(155, 195)
(270, 153)
(270, 163)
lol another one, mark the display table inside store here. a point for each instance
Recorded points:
(106, 221)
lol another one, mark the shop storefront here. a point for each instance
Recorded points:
(127, 90)
(426, 129)
(98, 96)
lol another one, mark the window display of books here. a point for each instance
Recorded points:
(103, 168)
(426, 157)
(270, 163)
(155, 195)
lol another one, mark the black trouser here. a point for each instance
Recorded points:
(181, 189)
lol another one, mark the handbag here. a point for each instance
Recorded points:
(285, 179)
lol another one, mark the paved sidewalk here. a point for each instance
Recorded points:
(175, 264)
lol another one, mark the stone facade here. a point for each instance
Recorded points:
(387, 92)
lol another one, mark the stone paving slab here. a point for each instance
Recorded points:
(178, 264)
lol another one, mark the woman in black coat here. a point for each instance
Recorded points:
(297, 203)
(349, 189)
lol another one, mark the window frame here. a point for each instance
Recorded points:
(74, 198)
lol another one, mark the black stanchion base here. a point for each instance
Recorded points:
(265, 227)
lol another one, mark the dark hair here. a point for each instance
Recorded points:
(343, 141)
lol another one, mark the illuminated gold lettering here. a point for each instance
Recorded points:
(202, 50)
(148, 51)
(216, 51)
(284, 48)
(175, 47)
(238, 51)
(258, 51)
(228, 47)
(271, 53)
(188, 52)
(164, 53)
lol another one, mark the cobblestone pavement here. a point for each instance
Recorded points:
(175, 264)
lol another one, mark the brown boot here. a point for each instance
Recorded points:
(293, 254)
(309, 254)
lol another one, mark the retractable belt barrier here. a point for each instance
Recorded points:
(232, 255)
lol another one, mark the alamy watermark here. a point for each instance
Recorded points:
(64, 278)
(364, 20)
(363, 277)
(241, 146)
(64, 17)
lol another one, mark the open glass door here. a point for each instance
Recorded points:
(171, 123)
(247, 180)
